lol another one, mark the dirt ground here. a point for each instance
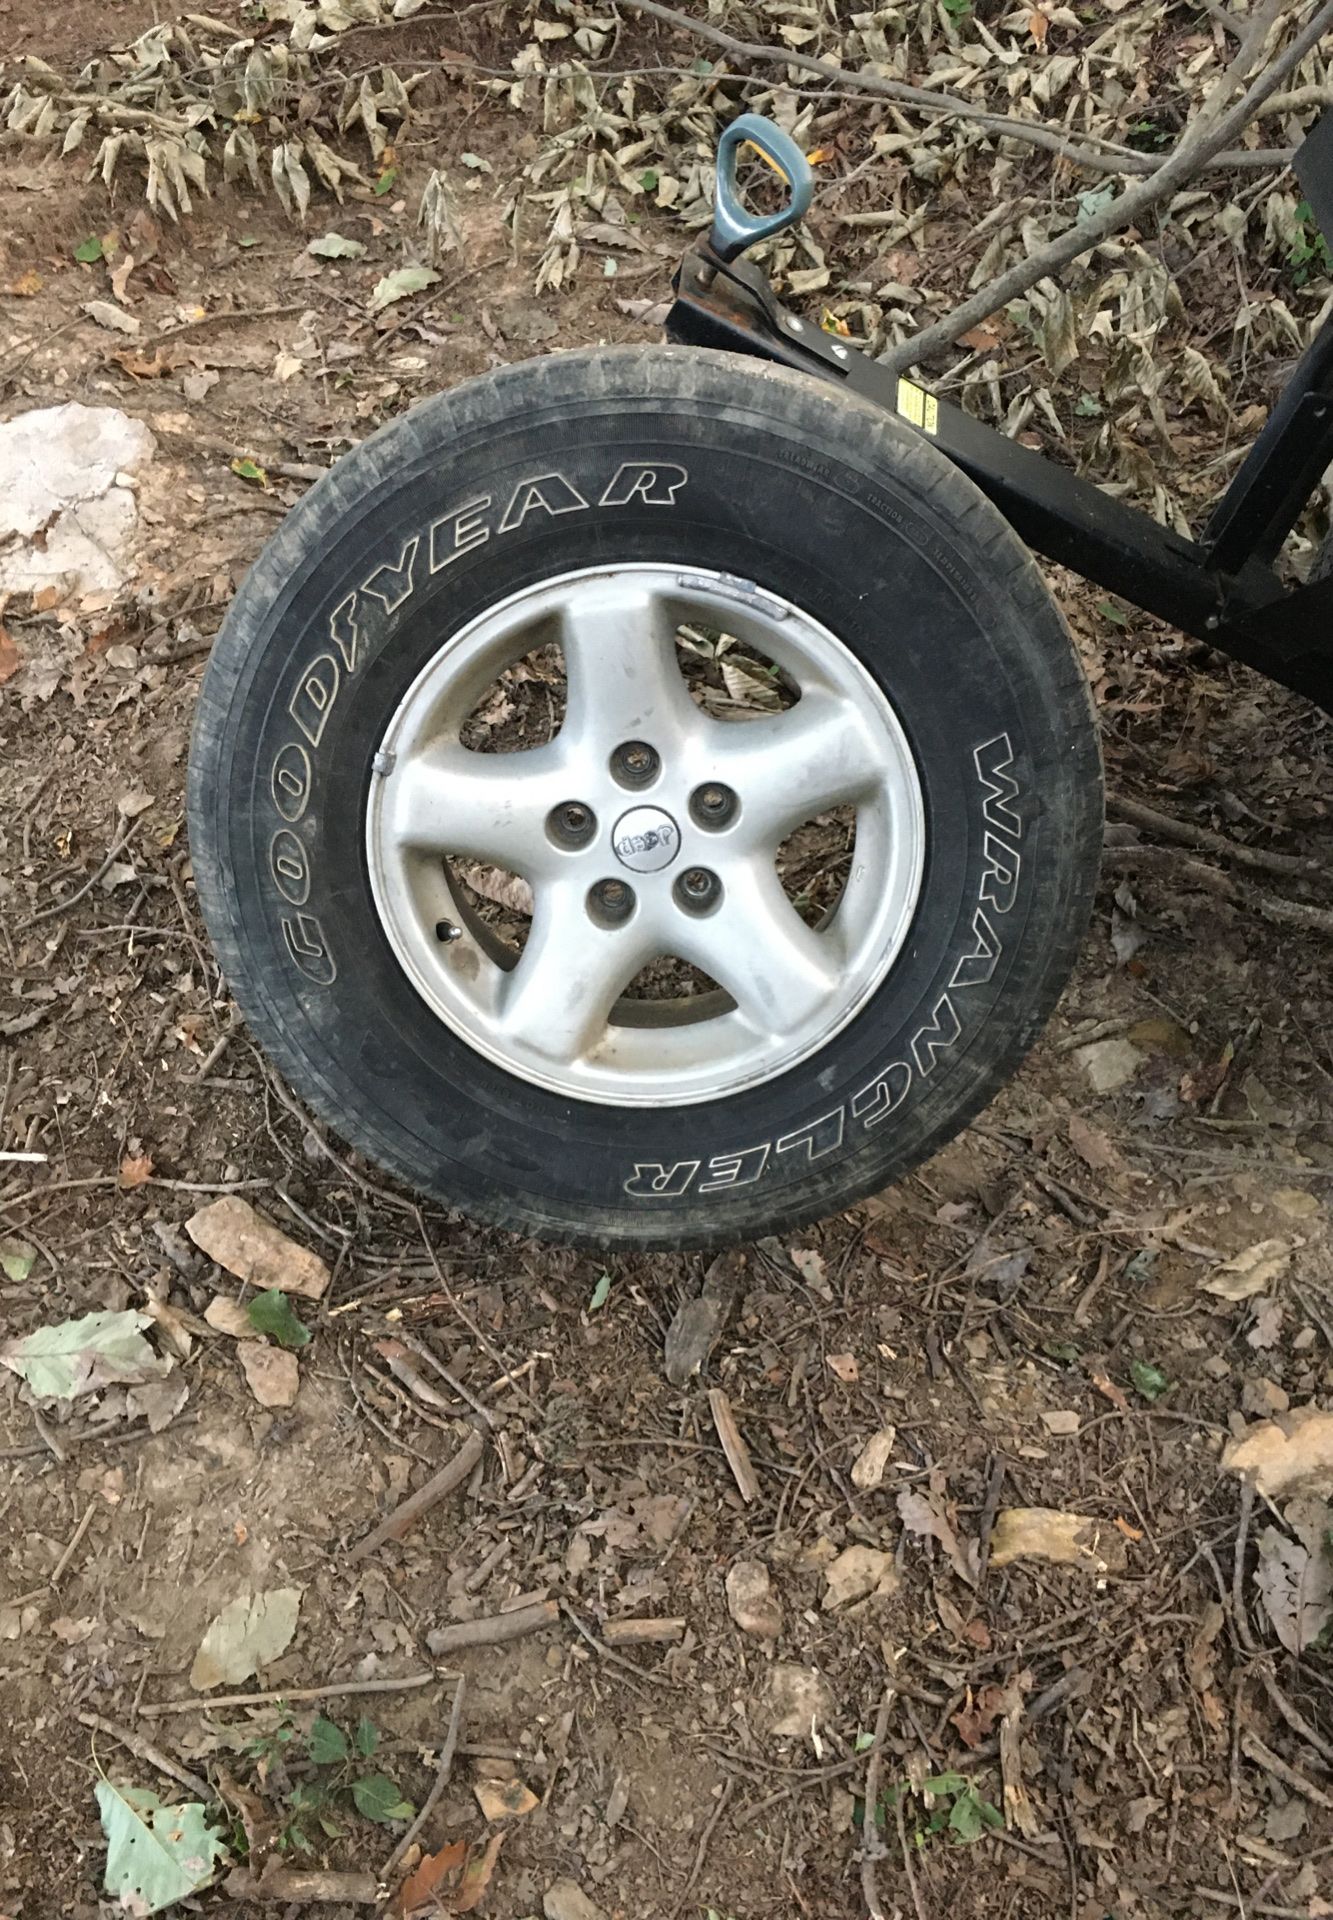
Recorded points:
(1025, 1319)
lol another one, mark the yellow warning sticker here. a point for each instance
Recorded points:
(917, 407)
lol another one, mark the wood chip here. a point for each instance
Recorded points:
(738, 1454)
(495, 1629)
(640, 1633)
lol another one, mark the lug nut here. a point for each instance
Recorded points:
(610, 903)
(571, 824)
(698, 890)
(635, 764)
(713, 805)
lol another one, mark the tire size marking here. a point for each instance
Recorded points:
(362, 616)
(997, 890)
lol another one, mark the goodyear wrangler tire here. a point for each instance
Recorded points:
(646, 798)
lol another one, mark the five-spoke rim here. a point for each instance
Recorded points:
(645, 827)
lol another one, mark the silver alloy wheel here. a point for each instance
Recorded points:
(622, 872)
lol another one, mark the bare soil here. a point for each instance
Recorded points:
(1048, 1263)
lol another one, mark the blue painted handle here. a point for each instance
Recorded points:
(733, 228)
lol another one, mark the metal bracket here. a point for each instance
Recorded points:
(1222, 589)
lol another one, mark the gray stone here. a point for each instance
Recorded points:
(68, 515)
(751, 1601)
(566, 1900)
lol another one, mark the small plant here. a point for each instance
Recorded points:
(336, 1778)
(1309, 257)
(951, 1805)
(957, 9)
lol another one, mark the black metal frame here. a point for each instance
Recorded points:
(1222, 587)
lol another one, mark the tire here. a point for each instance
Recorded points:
(593, 465)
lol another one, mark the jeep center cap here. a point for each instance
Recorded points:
(645, 839)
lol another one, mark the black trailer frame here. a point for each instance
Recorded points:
(1223, 588)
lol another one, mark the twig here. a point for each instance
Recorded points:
(145, 1750)
(206, 1703)
(990, 1506)
(1295, 1719)
(642, 1632)
(494, 1629)
(1239, 1617)
(487, 1346)
(1186, 834)
(1251, 1906)
(438, 1786)
(118, 845)
(72, 1548)
(454, 1385)
(908, 1869)
(1283, 913)
(738, 1454)
(1254, 1749)
(1211, 129)
(1111, 158)
(701, 1851)
(303, 1885)
(872, 1846)
(409, 1511)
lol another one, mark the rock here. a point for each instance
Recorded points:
(1109, 1063)
(229, 1316)
(751, 1601)
(856, 1572)
(868, 1469)
(567, 1901)
(796, 1699)
(246, 1244)
(271, 1374)
(67, 515)
(1049, 1533)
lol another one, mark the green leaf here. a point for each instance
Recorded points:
(945, 1783)
(863, 1742)
(386, 182)
(90, 250)
(336, 246)
(648, 179)
(397, 286)
(83, 1356)
(965, 1819)
(16, 1258)
(327, 1744)
(601, 1293)
(250, 240)
(475, 161)
(367, 1736)
(155, 1855)
(378, 1798)
(247, 469)
(272, 1313)
(1151, 1383)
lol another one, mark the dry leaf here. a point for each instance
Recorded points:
(975, 1719)
(477, 1874)
(1045, 1533)
(10, 657)
(418, 1893)
(844, 1365)
(1038, 26)
(1092, 1146)
(924, 1514)
(1250, 1272)
(1060, 1421)
(1292, 1454)
(241, 1240)
(136, 1170)
(868, 1469)
(1295, 1581)
(158, 1402)
(1109, 1390)
(244, 1637)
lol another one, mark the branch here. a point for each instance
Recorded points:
(1108, 157)
(1211, 129)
